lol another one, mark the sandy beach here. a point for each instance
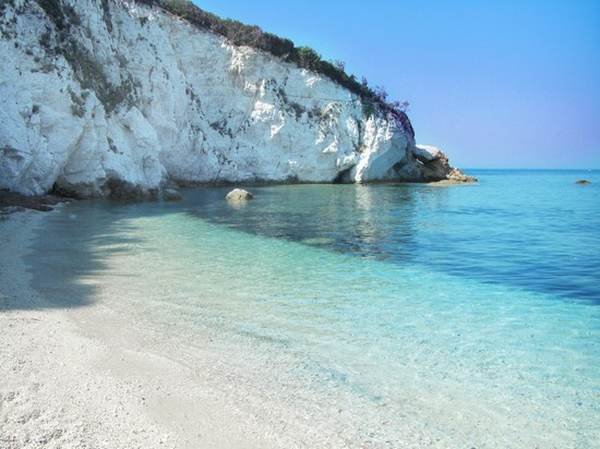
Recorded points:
(90, 377)
(51, 394)
(63, 389)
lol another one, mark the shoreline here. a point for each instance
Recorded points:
(11, 202)
(62, 388)
(50, 394)
(92, 376)
(109, 358)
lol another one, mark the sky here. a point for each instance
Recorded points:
(495, 84)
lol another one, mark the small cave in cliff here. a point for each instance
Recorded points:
(344, 177)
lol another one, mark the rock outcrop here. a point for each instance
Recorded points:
(118, 98)
(436, 166)
(239, 195)
(172, 195)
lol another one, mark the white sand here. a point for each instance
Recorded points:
(94, 377)
(99, 376)
(60, 388)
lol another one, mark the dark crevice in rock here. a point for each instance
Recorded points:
(63, 16)
(107, 16)
(344, 177)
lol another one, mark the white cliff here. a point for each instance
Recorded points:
(114, 97)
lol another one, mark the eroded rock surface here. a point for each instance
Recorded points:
(117, 98)
(172, 195)
(437, 168)
(239, 195)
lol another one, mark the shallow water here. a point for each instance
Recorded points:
(471, 313)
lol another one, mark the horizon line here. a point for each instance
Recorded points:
(530, 168)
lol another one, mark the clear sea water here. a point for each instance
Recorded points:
(470, 313)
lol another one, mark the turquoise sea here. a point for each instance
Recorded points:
(457, 317)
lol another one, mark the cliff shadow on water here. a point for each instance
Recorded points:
(351, 219)
(73, 248)
(480, 233)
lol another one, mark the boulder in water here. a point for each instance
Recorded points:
(172, 195)
(583, 182)
(239, 195)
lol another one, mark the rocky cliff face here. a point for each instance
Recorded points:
(114, 97)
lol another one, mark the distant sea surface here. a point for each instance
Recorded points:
(467, 314)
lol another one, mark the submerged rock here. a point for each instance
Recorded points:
(583, 182)
(172, 195)
(239, 195)
(11, 202)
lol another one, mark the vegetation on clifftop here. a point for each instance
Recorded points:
(253, 36)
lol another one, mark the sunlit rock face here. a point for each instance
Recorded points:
(111, 97)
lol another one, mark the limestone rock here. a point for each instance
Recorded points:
(459, 177)
(427, 153)
(239, 195)
(436, 167)
(172, 195)
(118, 98)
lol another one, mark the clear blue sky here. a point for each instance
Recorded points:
(494, 83)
